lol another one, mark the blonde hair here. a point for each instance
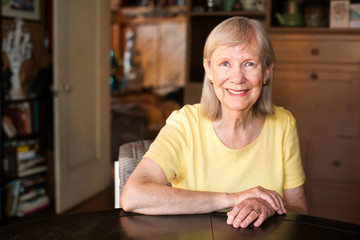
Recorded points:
(232, 32)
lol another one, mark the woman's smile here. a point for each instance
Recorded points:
(238, 92)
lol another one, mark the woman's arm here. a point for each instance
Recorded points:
(295, 200)
(146, 192)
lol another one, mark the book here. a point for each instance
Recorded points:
(32, 171)
(9, 160)
(33, 193)
(22, 156)
(26, 196)
(33, 182)
(36, 117)
(24, 117)
(8, 126)
(27, 149)
(32, 206)
(32, 162)
(13, 192)
(14, 114)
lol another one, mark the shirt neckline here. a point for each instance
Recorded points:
(219, 142)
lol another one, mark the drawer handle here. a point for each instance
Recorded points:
(314, 76)
(314, 51)
(336, 163)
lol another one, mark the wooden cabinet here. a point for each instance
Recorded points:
(317, 78)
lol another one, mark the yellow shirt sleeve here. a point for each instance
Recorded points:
(294, 175)
(169, 148)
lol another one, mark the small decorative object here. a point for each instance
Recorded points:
(316, 14)
(249, 5)
(227, 6)
(291, 16)
(210, 5)
(237, 6)
(18, 48)
(339, 14)
(133, 73)
(198, 6)
(260, 5)
(213, 5)
(354, 15)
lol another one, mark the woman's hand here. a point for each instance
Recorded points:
(272, 197)
(248, 211)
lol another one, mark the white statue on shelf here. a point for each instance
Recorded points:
(17, 47)
(133, 72)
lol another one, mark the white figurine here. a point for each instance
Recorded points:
(133, 72)
(17, 46)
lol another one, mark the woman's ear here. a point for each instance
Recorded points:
(207, 68)
(268, 72)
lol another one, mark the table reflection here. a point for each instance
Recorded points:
(166, 227)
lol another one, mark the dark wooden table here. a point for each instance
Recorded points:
(117, 224)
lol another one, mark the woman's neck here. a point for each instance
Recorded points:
(236, 120)
(238, 129)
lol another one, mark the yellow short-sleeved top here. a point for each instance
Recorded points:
(193, 157)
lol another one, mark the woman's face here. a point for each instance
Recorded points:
(237, 75)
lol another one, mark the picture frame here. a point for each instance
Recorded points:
(25, 9)
(339, 13)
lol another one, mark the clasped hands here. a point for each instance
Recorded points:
(254, 205)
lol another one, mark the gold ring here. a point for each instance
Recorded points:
(257, 211)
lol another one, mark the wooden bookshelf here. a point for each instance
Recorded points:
(23, 158)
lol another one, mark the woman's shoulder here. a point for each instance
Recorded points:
(187, 112)
(282, 116)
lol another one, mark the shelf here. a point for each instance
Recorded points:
(153, 20)
(232, 13)
(314, 30)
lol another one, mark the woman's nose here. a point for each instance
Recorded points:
(237, 75)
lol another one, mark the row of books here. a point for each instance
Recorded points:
(26, 196)
(23, 158)
(21, 118)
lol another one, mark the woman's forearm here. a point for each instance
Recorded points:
(156, 199)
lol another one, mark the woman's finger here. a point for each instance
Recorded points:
(232, 214)
(262, 217)
(273, 198)
(251, 217)
(243, 218)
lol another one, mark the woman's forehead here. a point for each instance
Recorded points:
(250, 48)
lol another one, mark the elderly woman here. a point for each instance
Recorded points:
(234, 150)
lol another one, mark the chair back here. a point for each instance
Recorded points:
(130, 154)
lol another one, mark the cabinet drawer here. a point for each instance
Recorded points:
(325, 51)
(335, 160)
(323, 102)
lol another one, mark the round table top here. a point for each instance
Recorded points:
(117, 224)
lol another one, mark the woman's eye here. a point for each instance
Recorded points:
(249, 65)
(225, 64)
